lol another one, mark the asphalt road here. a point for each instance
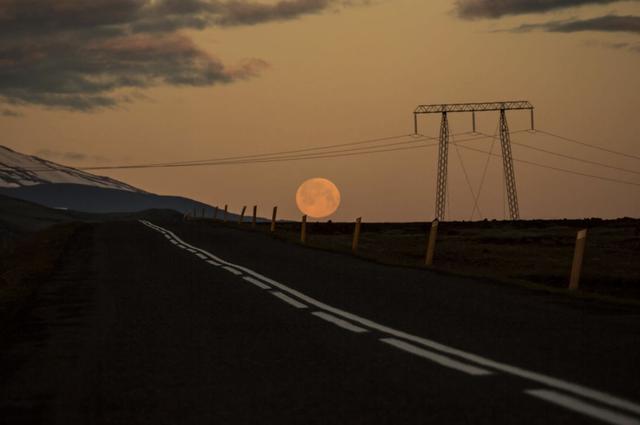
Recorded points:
(195, 323)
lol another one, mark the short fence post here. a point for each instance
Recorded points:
(253, 220)
(273, 219)
(225, 213)
(578, 255)
(356, 235)
(431, 246)
(215, 213)
(303, 230)
(244, 209)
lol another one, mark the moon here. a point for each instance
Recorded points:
(318, 197)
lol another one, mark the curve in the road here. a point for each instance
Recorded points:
(462, 361)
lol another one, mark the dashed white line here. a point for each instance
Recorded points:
(213, 263)
(232, 270)
(289, 300)
(201, 256)
(437, 358)
(550, 381)
(583, 407)
(256, 282)
(339, 322)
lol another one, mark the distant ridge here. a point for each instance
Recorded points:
(101, 200)
(52, 185)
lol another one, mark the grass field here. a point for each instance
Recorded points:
(536, 252)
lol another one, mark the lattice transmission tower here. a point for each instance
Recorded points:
(505, 142)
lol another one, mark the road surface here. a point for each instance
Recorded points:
(195, 323)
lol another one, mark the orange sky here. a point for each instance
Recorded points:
(358, 73)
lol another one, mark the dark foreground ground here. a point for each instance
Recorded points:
(129, 328)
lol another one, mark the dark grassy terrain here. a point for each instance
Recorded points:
(34, 237)
(534, 253)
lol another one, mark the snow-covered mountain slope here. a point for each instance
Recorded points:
(19, 170)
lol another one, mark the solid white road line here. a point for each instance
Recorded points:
(288, 300)
(437, 358)
(580, 390)
(256, 282)
(580, 406)
(213, 263)
(339, 322)
(232, 270)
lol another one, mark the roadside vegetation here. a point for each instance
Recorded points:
(535, 253)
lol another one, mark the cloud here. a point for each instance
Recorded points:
(471, 9)
(10, 113)
(623, 45)
(77, 55)
(608, 23)
(69, 156)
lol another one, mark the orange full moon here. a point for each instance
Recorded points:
(318, 197)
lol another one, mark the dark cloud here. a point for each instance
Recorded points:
(76, 54)
(608, 23)
(470, 9)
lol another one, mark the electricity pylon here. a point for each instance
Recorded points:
(505, 142)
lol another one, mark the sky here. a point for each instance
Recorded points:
(113, 82)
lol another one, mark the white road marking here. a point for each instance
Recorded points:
(256, 282)
(204, 257)
(583, 407)
(232, 270)
(173, 242)
(437, 358)
(213, 263)
(289, 300)
(550, 381)
(339, 322)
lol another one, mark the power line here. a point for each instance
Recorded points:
(274, 157)
(321, 155)
(466, 177)
(360, 142)
(280, 158)
(574, 158)
(486, 166)
(628, 155)
(586, 161)
(564, 170)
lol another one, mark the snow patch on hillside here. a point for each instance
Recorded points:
(19, 170)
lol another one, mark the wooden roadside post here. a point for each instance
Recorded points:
(356, 235)
(255, 213)
(578, 255)
(303, 230)
(273, 219)
(244, 209)
(215, 213)
(431, 246)
(225, 213)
